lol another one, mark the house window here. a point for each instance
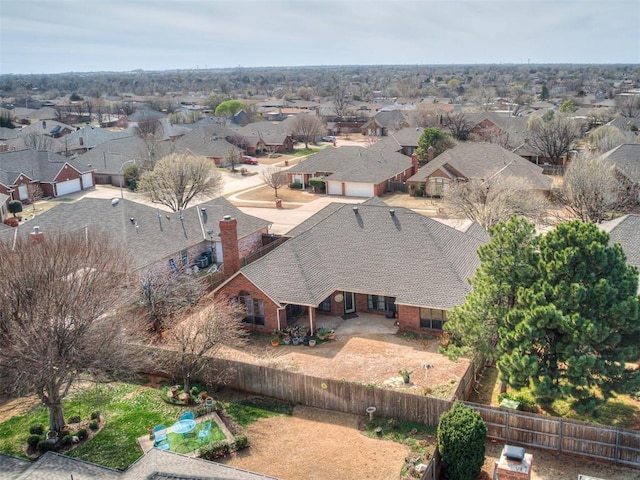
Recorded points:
(254, 308)
(437, 186)
(184, 258)
(325, 306)
(376, 302)
(432, 318)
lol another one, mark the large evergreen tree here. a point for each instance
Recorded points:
(506, 263)
(571, 331)
(436, 138)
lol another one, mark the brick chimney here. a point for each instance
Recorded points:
(36, 236)
(229, 240)
(414, 161)
(430, 152)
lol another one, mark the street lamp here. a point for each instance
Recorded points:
(120, 170)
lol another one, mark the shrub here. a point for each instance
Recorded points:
(94, 425)
(12, 222)
(461, 437)
(295, 186)
(82, 434)
(95, 416)
(317, 183)
(37, 429)
(527, 403)
(215, 450)
(200, 411)
(74, 419)
(44, 446)
(14, 206)
(419, 193)
(194, 391)
(33, 440)
(240, 442)
(67, 440)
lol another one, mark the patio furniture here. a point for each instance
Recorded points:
(187, 416)
(203, 434)
(159, 434)
(163, 444)
(184, 427)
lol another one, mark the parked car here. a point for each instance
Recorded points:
(249, 160)
(329, 138)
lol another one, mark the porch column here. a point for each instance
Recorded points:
(311, 319)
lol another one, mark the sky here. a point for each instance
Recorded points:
(54, 36)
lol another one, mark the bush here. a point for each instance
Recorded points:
(67, 440)
(37, 429)
(295, 186)
(527, 403)
(44, 446)
(240, 442)
(194, 391)
(461, 442)
(200, 411)
(318, 184)
(94, 425)
(95, 416)
(82, 434)
(12, 222)
(33, 440)
(419, 193)
(74, 419)
(215, 450)
(14, 206)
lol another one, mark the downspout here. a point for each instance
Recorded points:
(278, 315)
(311, 311)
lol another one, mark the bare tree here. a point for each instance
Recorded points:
(554, 138)
(590, 189)
(606, 137)
(200, 337)
(234, 157)
(307, 127)
(58, 315)
(628, 105)
(341, 98)
(274, 177)
(35, 193)
(151, 132)
(38, 141)
(164, 294)
(179, 178)
(494, 200)
(459, 126)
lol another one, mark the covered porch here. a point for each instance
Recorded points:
(363, 323)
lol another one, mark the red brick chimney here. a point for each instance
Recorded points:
(229, 240)
(414, 161)
(36, 236)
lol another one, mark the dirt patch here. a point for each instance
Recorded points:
(316, 445)
(549, 465)
(12, 407)
(286, 194)
(372, 359)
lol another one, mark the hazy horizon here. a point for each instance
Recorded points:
(79, 36)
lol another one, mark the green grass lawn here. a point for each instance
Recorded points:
(186, 444)
(304, 151)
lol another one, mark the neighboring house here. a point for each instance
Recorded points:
(385, 122)
(626, 124)
(626, 161)
(470, 161)
(509, 132)
(211, 141)
(404, 141)
(154, 237)
(364, 258)
(266, 137)
(53, 173)
(626, 231)
(3, 208)
(354, 171)
(155, 464)
(86, 138)
(110, 159)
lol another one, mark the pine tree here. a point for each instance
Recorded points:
(571, 332)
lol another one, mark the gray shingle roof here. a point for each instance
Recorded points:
(155, 238)
(355, 164)
(406, 255)
(108, 157)
(474, 160)
(92, 137)
(626, 231)
(38, 166)
(626, 160)
(208, 141)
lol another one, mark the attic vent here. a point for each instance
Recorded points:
(392, 213)
(355, 210)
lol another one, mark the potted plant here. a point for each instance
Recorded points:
(321, 333)
(331, 335)
(406, 375)
(295, 340)
(312, 342)
(275, 341)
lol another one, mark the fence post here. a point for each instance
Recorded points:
(560, 438)
(617, 450)
(506, 432)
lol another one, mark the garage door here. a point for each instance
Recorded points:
(334, 188)
(358, 190)
(87, 180)
(69, 186)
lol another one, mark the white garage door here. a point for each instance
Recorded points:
(87, 180)
(358, 190)
(69, 186)
(334, 188)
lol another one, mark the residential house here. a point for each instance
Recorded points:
(155, 464)
(404, 141)
(266, 137)
(360, 258)
(626, 161)
(86, 138)
(211, 141)
(471, 160)
(384, 123)
(354, 171)
(627, 124)
(53, 173)
(625, 230)
(154, 237)
(510, 132)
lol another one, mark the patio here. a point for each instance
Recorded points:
(363, 323)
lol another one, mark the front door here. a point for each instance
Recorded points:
(349, 302)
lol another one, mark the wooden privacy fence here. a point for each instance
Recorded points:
(564, 436)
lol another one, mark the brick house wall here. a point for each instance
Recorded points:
(67, 173)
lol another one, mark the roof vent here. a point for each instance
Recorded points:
(355, 210)
(115, 202)
(36, 229)
(226, 218)
(203, 209)
(515, 454)
(132, 220)
(392, 213)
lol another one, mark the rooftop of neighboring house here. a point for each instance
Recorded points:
(626, 231)
(108, 157)
(626, 159)
(36, 165)
(355, 164)
(474, 160)
(91, 137)
(208, 141)
(149, 234)
(373, 249)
